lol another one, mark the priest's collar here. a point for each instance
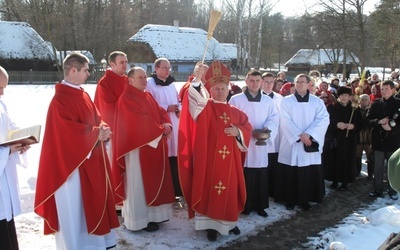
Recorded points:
(160, 82)
(71, 85)
(215, 101)
(302, 98)
(271, 94)
(256, 98)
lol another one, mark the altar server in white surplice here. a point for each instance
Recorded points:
(272, 145)
(262, 114)
(10, 204)
(162, 86)
(303, 123)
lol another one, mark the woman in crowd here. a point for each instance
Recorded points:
(347, 122)
(330, 145)
(278, 84)
(375, 92)
(287, 89)
(322, 87)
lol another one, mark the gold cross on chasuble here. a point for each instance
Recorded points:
(224, 152)
(225, 118)
(219, 187)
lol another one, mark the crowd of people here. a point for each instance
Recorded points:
(141, 146)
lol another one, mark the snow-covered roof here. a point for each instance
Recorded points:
(179, 43)
(18, 40)
(230, 50)
(319, 56)
(88, 54)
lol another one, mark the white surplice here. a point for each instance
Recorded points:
(262, 114)
(135, 211)
(273, 145)
(165, 96)
(301, 117)
(10, 204)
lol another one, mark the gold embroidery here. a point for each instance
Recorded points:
(224, 152)
(225, 118)
(219, 187)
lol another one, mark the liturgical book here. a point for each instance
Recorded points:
(25, 136)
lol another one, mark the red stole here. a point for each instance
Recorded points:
(138, 121)
(72, 130)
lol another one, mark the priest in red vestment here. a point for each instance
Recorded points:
(74, 190)
(109, 88)
(212, 137)
(141, 167)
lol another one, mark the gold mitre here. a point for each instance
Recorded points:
(217, 73)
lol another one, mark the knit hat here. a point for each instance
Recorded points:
(344, 90)
(285, 89)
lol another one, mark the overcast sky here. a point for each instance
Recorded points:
(297, 7)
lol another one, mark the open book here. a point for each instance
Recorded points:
(25, 136)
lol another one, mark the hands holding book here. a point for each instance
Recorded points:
(19, 147)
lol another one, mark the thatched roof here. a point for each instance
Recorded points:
(317, 57)
(179, 44)
(18, 40)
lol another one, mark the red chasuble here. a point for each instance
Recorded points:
(71, 135)
(138, 121)
(108, 90)
(210, 168)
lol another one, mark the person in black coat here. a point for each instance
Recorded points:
(347, 122)
(384, 118)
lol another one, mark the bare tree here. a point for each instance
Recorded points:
(351, 35)
(384, 26)
(237, 10)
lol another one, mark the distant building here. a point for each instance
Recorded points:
(323, 60)
(62, 54)
(231, 52)
(182, 46)
(23, 49)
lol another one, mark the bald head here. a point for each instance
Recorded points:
(137, 77)
(3, 80)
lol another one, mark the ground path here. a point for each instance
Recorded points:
(292, 233)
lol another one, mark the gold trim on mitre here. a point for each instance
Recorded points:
(217, 73)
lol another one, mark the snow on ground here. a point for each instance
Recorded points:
(364, 229)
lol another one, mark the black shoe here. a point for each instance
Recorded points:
(212, 234)
(306, 206)
(151, 227)
(245, 212)
(334, 185)
(289, 207)
(375, 194)
(343, 187)
(111, 247)
(118, 212)
(235, 230)
(393, 197)
(262, 213)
